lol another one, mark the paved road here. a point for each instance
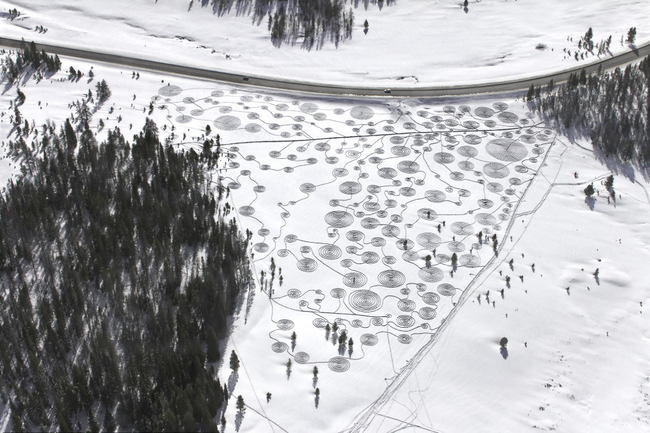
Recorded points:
(331, 89)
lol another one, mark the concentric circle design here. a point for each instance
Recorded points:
(446, 289)
(387, 172)
(285, 324)
(462, 228)
(246, 210)
(390, 231)
(350, 187)
(404, 321)
(361, 112)
(443, 158)
(404, 338)
(427, 313)
(330, 252)
(365, 301)
(406, 305)
(294, 293)
(484, 112)
(369, 339)
(319, 322)
(307, 265)
(428, 240)
(430, 298)
(391, 278)
(339, 219)
(506, 149)
(170, 91)
(408, 167)
(301, 357)
(355, 279)
(227, 123)
(338, 293)
(469, 261)
(485, 219)
(431, 274)
(279, 347)
(338, 364)
(496, 170)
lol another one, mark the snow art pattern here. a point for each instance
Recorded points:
(372, 213)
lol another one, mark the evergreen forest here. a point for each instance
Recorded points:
(120, 271)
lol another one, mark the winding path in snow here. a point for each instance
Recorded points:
(331, 89)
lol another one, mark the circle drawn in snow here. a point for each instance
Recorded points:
(369, 339)
(294, 293)
(507, 117)
(446, 289)
(469, 261)
(494, 187)
(362, 112)
(170, 91)
(279, 347)
(338, 293)
(485, 219)
(427, 313)
(430, 298)
(505, 149)
(365, 301)
(307, 265)
(443, 158)
(253, 128)
(404, 321)
(184, 119)
(246, 210)
(227, 123)
(285, 324)
(435, 196)
(307, 188)
(406, 305)
(339, 219)
(462, 228)
(391, 278)
(484, 112)
(301, 357)
(408, 167)
(338, 364)
(350, 187)
(428, 240)
(355, 280)
(496, 170)
(431, 274)
(404, 338)
(467, 151)
(309, 108)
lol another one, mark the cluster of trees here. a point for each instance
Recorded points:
(118, 272)
(309, 22)
(313, 21)
(613, 109)
(29, 56)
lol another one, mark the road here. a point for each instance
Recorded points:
(332, 89)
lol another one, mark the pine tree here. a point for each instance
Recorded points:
(241, 405)
(234, 362)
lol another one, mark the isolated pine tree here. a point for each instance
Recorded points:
(234, 362)
(241, 405)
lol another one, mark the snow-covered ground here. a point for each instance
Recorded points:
(409, 43)
(331, 189)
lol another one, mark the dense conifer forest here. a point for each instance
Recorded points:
(612, 109)
(119, 271)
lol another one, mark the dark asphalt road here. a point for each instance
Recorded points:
(332, 89)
